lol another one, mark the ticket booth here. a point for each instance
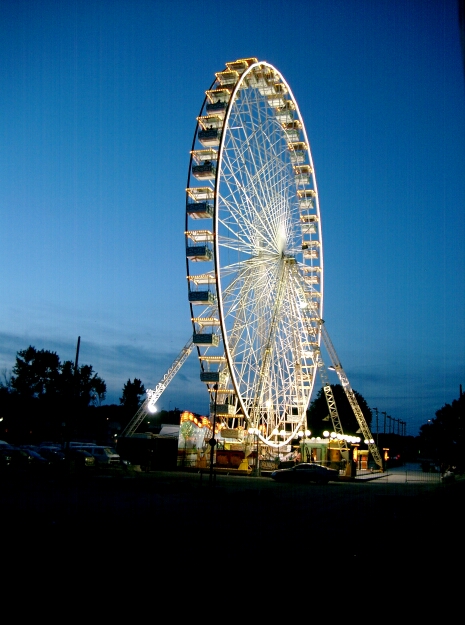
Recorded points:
(363, 459)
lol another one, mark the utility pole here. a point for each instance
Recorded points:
(377, 430)
(385, 415)
(212, 441)
(71, 415)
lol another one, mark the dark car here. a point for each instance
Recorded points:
(14, 458)
(5, 457)
(79, 459)
(306, 472)
(36, 461)
(54, 456)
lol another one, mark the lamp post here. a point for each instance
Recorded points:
(212, 441)
(307, 457)
(283, 435)
(275, 433)
(384, 427)
(327, 437)
(255, 432)
(377, 430)
(257, 463)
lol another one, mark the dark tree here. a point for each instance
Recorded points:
(51, 397)
(5, 382)
(39, 374)
(318, 412)
(132, 394)
(35, 372)
(443, 439)
(91, 388)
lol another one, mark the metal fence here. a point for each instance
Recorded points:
(408, 472)
(422, 472)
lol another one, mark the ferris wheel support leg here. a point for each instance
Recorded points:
(154, 395)
(372, 447)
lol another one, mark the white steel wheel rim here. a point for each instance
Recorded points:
(265, 280)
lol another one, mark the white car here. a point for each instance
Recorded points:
(104, 455)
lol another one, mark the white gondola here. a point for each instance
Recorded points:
(310, 249)
(292, 130)
(218, 95)
(302, 174)
(200, 210)
(205, 171)
(209, 137)
(306, 198)
(199, 253)
(199, 236)
(202, 297)
(285, 114)
(298, 152)
(206, 339)
(227, 77)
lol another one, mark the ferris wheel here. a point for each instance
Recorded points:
(254, 253)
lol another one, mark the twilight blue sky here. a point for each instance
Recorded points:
(98, 101)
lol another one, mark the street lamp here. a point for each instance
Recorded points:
(327, 436)
(275, 433)
(377, 430)
(212, 441)
(305, 435)
(283, 435)
(384, 427)
(255, 432)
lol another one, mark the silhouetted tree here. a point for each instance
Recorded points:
(443, 439)
(49, 396)
(5, 381)
(170, 417)
(91, 388)
(39, 374)
(35, 372)
(132, 394)
(318, 412)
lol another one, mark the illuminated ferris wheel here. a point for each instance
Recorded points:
(254, 252)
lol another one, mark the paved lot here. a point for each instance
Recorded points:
(391, 519)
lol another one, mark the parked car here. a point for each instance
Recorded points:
(306, 472)
(79, 444)
(104, 455)
(36, 461)
(5, 457)
(14, 458)
(55, 456)
(79, 459)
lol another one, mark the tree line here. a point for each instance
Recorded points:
(46, 398)
(443, 437)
